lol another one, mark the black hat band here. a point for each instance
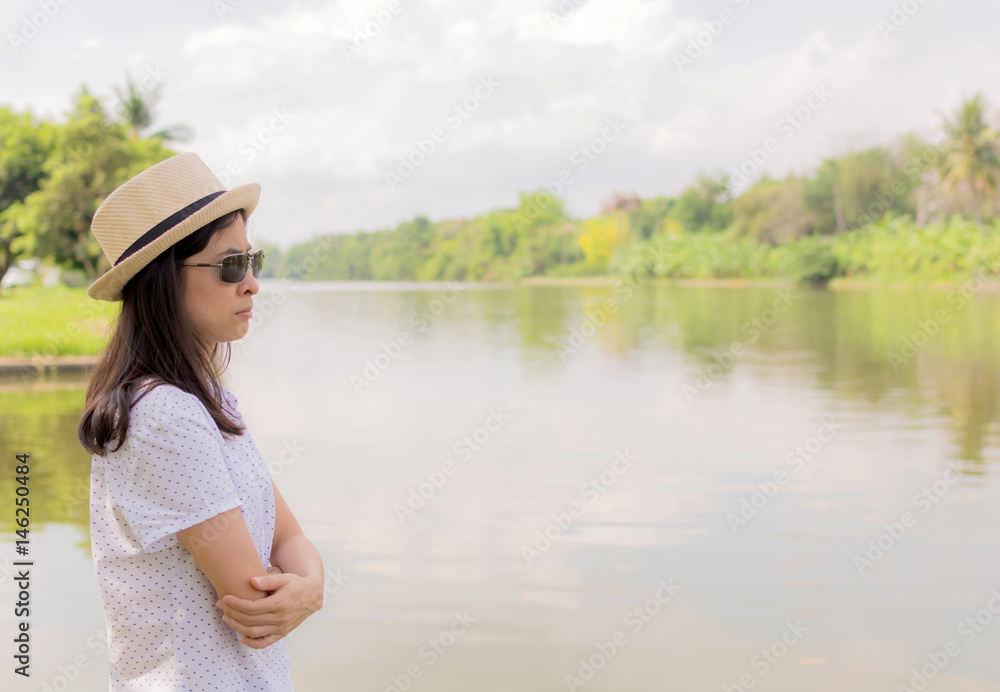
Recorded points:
(165, 225)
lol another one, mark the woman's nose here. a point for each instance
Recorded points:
(250, 284)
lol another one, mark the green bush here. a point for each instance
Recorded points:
(895, 248)
(812, 259)
(891, 249)
(699, 256)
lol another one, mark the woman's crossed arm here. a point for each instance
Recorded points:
(262, 606)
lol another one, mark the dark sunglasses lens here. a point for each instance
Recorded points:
(258, 263)
(233, 269)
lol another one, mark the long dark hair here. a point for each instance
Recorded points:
(153, 343)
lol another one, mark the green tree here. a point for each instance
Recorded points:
(648, 220)
(918, 161)
(272, 259)
(25, 144)
(402, 252)
(135, 109)
(773, 211)
(545, 240)
(853, 189)
(706, 205)
(92, 156)
(971, 155)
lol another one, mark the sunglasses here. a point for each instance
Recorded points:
(233, 268)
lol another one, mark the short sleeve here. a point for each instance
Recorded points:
(174, 473)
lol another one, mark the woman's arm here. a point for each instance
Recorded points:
(223, 549)
(297, 592)
(291, 550)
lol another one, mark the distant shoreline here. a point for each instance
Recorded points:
(614, 280)
(839, 284)
(39, 365)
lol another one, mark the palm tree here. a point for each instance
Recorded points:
(136, 110)
(971, 154)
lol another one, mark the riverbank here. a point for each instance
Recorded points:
(840, 284)
(973, 284)
(37, 366)
(69, 329)
(616, 280)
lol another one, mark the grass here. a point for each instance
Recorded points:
(58, 321)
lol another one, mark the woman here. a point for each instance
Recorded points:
(201, 565)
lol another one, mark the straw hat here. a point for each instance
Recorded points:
(147, 214)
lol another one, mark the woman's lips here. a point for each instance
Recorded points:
(248, 313)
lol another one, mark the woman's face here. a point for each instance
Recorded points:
(214, 306)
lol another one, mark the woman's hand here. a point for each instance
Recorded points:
(290, 601)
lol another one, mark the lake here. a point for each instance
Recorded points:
(586, 487)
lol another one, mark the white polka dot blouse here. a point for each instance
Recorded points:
(174, 470)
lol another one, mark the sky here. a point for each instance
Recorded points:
(360, 115)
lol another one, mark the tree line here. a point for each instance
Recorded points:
(53, 176)
(917, 208)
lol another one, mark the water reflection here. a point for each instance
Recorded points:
(39, 418)
(708, 388)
